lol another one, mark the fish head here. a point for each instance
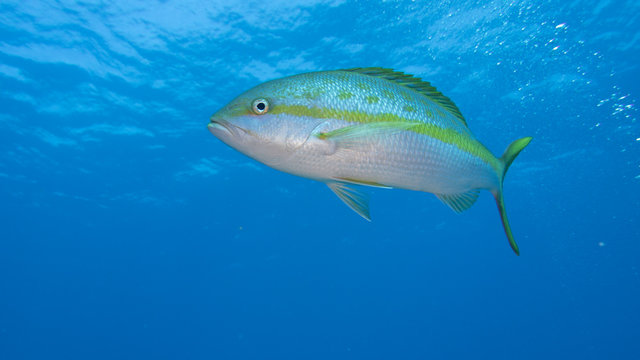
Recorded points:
(256, 124)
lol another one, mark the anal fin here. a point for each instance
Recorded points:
(356, 200)
(459, 202)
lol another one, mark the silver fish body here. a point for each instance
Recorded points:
(366, 126)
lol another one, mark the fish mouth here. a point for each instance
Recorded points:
(220, 127)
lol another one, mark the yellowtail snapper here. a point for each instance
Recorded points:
(366, 126)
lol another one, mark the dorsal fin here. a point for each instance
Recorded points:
(414, 83)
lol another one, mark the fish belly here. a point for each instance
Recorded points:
(403, 160)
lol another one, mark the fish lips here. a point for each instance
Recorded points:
(222, 129)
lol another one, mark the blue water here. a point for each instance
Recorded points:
(128, 231)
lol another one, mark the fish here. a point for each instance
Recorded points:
(366, 126)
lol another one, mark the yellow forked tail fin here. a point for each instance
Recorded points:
(507, 158)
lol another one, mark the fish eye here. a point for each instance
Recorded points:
(260, 106)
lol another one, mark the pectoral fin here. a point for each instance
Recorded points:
(356, 135)
(356, 200)
(364, 182)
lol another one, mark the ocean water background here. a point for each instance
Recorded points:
(129, 232)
